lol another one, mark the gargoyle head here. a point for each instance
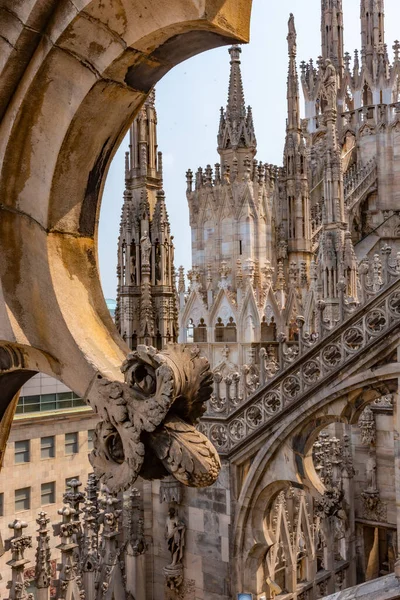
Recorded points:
(148, 421)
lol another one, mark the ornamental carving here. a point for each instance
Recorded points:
(272, 402)
(148, 421)
(367, 427)
(373, 507)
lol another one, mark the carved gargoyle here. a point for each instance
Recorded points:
(148, 422)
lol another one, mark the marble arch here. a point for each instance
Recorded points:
(73, 76)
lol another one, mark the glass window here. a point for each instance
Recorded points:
(22, 452)
(48, 402)
(71, 443)
(28, 404)
(22, 499)
(65, 395)
(48, 493)
(2, 504)
(47, 447)
(64, 400)
(90, 439)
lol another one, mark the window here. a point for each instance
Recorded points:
(71, 443)
(200, 332)
(1, 504)
(43, 402)
(47, 447)
(90, 439)
(268, 331)
(225, 334)
(69, 479)
(22, 499)
(22, 451)
(48, 493)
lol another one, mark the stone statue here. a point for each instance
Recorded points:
(175, 535)
(157, 262)
(133, 263)
(145, 245)
(330, 84)
(292, 36)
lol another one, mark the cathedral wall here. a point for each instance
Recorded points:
(385, 468)
(206, 514)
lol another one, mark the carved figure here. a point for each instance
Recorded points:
(145, 246)
(158, 262)
(175, 535)
(292, 36)
(330, 84)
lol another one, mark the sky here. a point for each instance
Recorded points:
(188, 100)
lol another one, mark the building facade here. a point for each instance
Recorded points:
(290, 268)
(49, 443)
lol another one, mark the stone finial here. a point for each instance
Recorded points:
(43, 554)
(396, 50)
(18, 543)
(181, 280)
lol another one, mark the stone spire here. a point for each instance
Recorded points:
(332, 32)
(146, 311)
(296, 214)
(372, 29)
(293, 99)
(236, 136)
(144, 161)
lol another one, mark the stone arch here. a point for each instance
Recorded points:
(275, 453)
(68, 107)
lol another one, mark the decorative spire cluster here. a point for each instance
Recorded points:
(236, 134)
(332, 32)
(146, 299)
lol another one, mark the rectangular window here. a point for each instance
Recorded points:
(47, 447)
(48, 402)
(1, 504)
(22, 499)
(22, 451)
(90, 439)
(71, 443)
(48, 493)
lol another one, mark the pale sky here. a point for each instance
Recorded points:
(188, 100)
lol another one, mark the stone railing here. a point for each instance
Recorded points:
(310, 362)
(358, 181)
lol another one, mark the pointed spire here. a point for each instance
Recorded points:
(332, 32)
(372, 24)
(293, 80)
(236, 128)
(236, 108)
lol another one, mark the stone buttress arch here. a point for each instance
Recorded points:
(66, 107)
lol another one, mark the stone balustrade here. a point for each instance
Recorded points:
(243, 402)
